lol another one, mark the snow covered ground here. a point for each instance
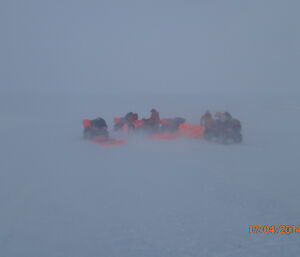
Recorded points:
(62, 196)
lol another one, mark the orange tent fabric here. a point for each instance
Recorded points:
(86, 123)
(190, 130)
(138, 123)
(117, 120)
(164, 121)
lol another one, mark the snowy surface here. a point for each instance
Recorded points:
(63, 196)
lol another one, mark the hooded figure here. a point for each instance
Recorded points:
(227, 117)
(154, 118)
(129, 118)
(99, 123)
(207, 121)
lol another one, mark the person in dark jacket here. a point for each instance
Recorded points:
(99, 123)
(154, 118)
(129, 119)
(153, 123)
(135, 116)
(236, 125)
(207, 121)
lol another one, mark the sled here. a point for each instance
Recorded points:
(108, 141)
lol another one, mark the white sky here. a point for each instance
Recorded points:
(149, 46)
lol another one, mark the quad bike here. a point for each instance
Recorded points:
(90, 132)
(224, 136)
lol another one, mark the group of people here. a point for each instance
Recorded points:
(223, 127)
(130, 122)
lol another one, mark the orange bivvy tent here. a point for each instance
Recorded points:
(190, 130)
(138, 123)
(108, 141)
(184, 130)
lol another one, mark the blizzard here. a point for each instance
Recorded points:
(62, 196)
